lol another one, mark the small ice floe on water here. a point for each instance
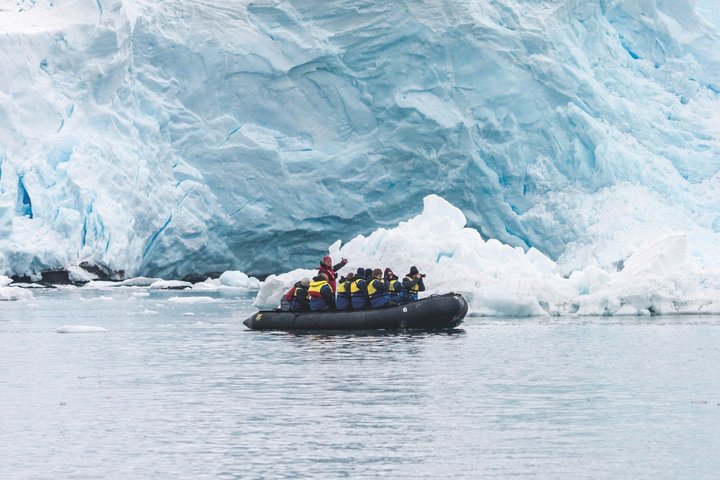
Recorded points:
(170, 285)
(188, 314)
(29, 285)
(191, 300)
(140, 294)
(14, 293)
(233, 280)
(139, 282)
(104, 298)
(147, 311)
(80, 329)
(202, 324)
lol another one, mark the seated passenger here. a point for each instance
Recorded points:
(358, 291)
(320, 294)
(377, 291)
(295, 300)
(368, 274)
(343, 292)
(393, 286)
(412, 284)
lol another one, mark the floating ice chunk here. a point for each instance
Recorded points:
(170, 285)
(239, 280)
(499, 280)
(211, 285)
(80, 329)
(139, 282)
(29, 285)
(229, 280)
(5, 281)
(275, 286)
(192, 300)
(15, 293)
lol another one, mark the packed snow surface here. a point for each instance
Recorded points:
(162, 139)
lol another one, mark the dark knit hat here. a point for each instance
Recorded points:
(413, 270)
(360, 272)
(388, 271)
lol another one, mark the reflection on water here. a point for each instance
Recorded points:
(184, 390)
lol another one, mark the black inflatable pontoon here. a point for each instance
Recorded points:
(435, 312)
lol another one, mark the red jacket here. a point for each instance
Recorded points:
(331, 273)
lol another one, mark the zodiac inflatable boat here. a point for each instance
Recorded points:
(431, 313)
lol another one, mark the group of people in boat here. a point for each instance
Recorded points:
(363, 289)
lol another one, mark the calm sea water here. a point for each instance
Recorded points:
(183, 390)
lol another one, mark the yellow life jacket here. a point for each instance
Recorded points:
(371, 287)
(354, 288)
(315, 287)
(341, 288)
(393, 286)
(415, 288)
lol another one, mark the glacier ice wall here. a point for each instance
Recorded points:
(168, 138)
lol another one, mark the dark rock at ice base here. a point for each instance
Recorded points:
(101, 272)
(62, 276)
(49, 278)
(195, 278)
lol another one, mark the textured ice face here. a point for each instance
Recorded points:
(169, 138)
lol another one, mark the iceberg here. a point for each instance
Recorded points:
(658, 278)
(167, 139)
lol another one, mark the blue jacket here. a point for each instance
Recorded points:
(379, 296)
(359, 294)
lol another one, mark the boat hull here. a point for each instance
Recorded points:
(435, 312)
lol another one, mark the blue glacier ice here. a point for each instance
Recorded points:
(170, 138)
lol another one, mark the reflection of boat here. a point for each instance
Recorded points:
(434, 312)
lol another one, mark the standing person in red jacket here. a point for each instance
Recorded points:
(330, 270)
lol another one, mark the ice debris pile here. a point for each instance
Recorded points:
(12, 293)
(179, 137)
(658, 277)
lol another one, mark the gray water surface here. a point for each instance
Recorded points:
(176, 390)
